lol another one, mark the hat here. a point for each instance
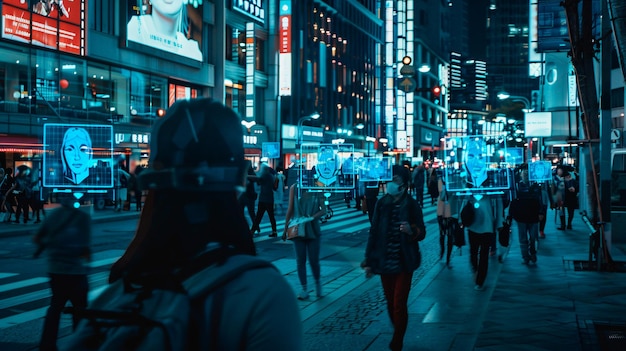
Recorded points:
(196, 146)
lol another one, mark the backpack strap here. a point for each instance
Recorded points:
(211, 281)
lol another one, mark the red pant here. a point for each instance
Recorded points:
(396, 288)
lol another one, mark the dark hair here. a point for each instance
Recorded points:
(401, 172)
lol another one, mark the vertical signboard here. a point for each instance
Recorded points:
(52, 24)
(284, 53)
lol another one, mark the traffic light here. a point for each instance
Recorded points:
(435, 93)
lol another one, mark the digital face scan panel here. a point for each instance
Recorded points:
(475, 164)
(77, 156)
(322, 167)
(539, 171)
(375, 169)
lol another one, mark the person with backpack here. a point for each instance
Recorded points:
(393, 250)
(189, 280)
(528, 210)
(65, 236)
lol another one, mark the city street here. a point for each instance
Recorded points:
(24, 293)
(565, 307)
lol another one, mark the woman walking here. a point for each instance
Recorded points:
(303, 203)
(393, 250)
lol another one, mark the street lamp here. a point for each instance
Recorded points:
(310, 117)
(503, 95)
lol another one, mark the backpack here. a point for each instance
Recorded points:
(158, 311)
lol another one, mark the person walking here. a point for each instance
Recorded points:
(279, 192)
(133, 187)
(260, 310)
(372, 189)
(558, 195)
(528, 210)
(22, 189)
(265, 179)
(445, 219)
(65, 235)
(393, 250)
(6, 197)
(304, 203)
(248, 199)
(487, 217)
(570, 197)
(433, 186)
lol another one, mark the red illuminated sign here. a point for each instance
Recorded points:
(53, 24)
(285, 34)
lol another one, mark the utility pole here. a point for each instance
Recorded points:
(583, 53)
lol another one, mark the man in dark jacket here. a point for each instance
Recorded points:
(528, 210)
(265, 179)
(393, 249)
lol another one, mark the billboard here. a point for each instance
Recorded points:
(171, 26)
(77, 156)
(371, 169)
(53, 24)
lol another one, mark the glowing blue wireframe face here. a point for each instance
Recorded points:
(475, 161)
(326, 166)
(539, 171)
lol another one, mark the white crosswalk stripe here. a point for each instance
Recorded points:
(33, 293)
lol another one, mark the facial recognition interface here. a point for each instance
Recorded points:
(270, 150)
(474, 164)
(514, 156)
(77, 156)
(372, 169)
(539, 171)
(321, 167)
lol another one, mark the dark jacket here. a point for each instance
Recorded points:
(571, 198)
(528, 205)
(377, 243)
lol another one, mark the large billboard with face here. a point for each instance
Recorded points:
(56, 24)
(173, 26)
(77, 156)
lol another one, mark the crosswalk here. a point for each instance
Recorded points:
(24, 300)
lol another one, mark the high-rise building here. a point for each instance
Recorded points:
(507, 49)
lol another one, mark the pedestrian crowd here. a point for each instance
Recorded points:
(179, 260)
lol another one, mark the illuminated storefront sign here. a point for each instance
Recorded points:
(135, 138)
(252, 8)
(284, 56)
(56, 25)
(147, 27)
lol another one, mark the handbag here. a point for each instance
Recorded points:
(504, 233)
(293, 229)
(293, 232)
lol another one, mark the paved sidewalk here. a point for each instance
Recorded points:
(549, 305)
